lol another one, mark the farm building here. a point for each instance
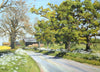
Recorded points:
(30, 41)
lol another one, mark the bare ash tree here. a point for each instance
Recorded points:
(14, 21)
(4, 4)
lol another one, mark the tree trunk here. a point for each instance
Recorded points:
(12, 44)
(47, 45)
(38, 44)
(67, 45)
(12, 41)
(88, 43)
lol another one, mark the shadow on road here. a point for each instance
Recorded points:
(57, 56)
(61, 54)
(49, 52)
(53, 57)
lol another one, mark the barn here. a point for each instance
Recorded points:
(30, 41)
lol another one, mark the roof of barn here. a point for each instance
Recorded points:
(30, 40)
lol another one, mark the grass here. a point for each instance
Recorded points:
(95, 46)
(81, 60)
(55, 46)
(30, 66)
(7, 51)
(11, 64)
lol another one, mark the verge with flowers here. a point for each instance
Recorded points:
(18, 61)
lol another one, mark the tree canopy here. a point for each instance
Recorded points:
(73, 20)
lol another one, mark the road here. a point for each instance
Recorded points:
(53, 64)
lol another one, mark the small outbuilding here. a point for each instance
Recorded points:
(30, 41)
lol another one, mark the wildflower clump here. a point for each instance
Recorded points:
(12, 62)
(20, 52)
(4, 48)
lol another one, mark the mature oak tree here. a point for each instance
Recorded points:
(89, 19)
(61, 21)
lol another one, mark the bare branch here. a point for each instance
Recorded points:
(4, 4)
(1, 5)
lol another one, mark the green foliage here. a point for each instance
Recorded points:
(84, 56)
(22, 43)
(55, 46)
(90, 24)
(95, 40)
(68, 22)
(7, 51)
(43, 32)
(93, 62)
(31, 66)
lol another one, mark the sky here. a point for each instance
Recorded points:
(39, 3)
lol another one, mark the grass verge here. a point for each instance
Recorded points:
(30, 66)
(95, 46)
(18, 63)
